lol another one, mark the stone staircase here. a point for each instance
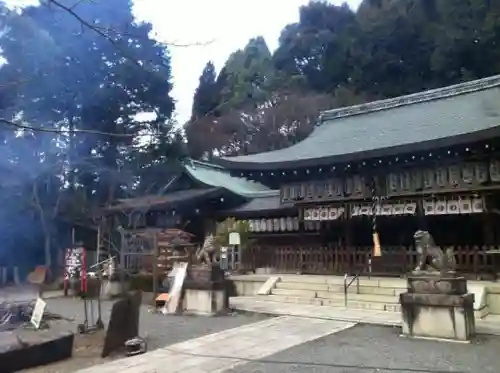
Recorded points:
(377, 294)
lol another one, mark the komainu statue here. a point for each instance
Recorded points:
(206, 254)
(431, 256)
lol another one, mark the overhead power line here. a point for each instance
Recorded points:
(76, 131)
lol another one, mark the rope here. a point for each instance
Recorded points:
(375, 204)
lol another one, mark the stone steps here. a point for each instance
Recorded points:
(355, 304)
(339, 280)
(363, 289)
(335, 295)
(373, 294)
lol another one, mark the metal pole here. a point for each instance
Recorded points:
(233, 252)
(155, 267)
(98, 248)
(345, 289)
(122, 260)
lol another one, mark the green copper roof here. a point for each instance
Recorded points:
(442, 117)
(216, 176)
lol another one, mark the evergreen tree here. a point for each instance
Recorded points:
(206, 97)
(385, 48)
(67, 76)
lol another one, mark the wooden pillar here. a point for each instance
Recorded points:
(348, 232)
(342, 251)
(488, 231)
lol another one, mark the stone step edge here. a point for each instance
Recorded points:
(375, 298)
(388, 307)
(363, 281)
(338, 287)
(353, 304)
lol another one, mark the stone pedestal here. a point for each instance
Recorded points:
(204, 302)
(114, 286)
(438, 307)
(205, 291)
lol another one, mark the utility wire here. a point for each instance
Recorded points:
(76, 131)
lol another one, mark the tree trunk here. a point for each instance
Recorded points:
(47, 249)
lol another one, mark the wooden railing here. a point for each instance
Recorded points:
(340, 260)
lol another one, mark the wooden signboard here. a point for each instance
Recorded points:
(75, 267)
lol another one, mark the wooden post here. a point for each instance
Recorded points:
(488, 230)
(155, 267)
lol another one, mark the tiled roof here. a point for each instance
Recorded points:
(160, 201)
(441, 117)
(216, 176)
(261, 204)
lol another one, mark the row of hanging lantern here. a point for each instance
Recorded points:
(283, 224)
(380, 206)
(452, 206)
(323, 213)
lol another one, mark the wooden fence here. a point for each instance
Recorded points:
(340, 260)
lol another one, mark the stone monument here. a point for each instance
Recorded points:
(123, 322)
(437, 304)
(205, 286)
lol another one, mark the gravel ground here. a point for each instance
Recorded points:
(370, 349)
(159, 331)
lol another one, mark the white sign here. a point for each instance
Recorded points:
(37, 315)
(175, 291)
(234, 238)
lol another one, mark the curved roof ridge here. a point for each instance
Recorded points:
(206, 164)
(414, 98)
(220, 177)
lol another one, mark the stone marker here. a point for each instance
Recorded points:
(437, 304)
(123, 322)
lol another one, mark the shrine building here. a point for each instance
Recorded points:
(429, 160)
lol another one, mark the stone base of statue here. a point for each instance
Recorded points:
(437, 306)
(205, 290)
(114, 286)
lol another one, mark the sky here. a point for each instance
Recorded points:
(212, 29)
(229, 24)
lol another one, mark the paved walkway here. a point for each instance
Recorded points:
(228, 349)
(490, 325)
